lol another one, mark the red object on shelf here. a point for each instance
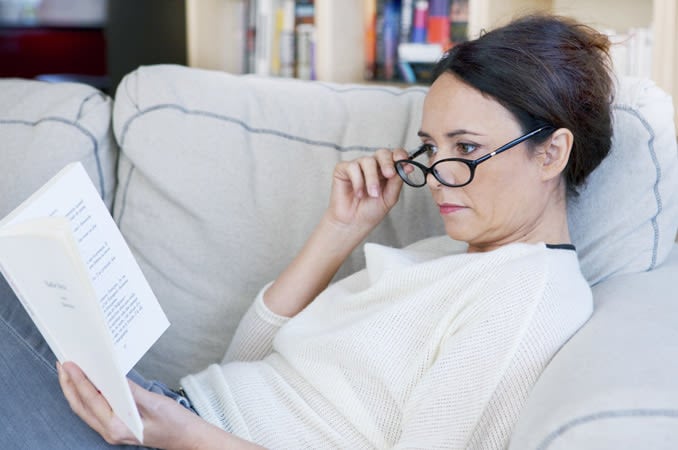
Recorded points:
(439, 31)
(27, 52)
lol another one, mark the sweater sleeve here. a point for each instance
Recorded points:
(253, 339)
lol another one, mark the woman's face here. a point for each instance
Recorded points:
(504, 201)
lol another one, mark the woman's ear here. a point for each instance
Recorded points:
(556, 153)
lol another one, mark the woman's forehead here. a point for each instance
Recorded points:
(455, 104)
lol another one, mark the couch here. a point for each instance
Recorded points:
(215, 180)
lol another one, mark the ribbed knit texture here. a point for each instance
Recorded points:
(419, 350)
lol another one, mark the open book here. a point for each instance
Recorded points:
(67, 262)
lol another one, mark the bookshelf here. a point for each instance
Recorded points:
(214, 40)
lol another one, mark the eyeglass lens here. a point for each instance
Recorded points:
(451, 173)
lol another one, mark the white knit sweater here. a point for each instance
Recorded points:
(422, 349)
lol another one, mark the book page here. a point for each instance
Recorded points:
(131, 310)
(53, 287)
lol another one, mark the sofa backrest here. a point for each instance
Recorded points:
(222, 178)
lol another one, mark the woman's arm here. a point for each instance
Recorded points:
(351, 215)
(363, 192)
(167, 424)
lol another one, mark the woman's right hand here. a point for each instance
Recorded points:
(365, 189)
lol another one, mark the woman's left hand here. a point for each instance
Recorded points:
(167, 424)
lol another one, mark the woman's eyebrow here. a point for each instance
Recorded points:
(450, 134)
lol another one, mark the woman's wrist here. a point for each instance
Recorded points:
(314, 267)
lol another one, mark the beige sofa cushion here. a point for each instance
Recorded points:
(626, 218)
(45, 126)
(222, 178)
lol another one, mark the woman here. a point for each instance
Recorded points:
(433, 345)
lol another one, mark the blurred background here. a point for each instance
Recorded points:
(92, 41)
(99, 41)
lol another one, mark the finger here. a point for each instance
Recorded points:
(143, 397)
(392, 190)
(89, 395)
(71, 391)
(355, 176)
(370, 173)
(385, 159)
(399, 154)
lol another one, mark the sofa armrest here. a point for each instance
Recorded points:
(43, 127)
(613, 385)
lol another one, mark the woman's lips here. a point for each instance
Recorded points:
(449, 208)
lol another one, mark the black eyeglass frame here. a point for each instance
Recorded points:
(472, 164)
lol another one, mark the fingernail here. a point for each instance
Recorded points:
(373, 191)
(61, 372)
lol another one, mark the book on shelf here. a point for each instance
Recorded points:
(67, 262)
(370, 50)
(388, 36)
(409, 37)
(281, 38)
(264, 37)
(305, 40)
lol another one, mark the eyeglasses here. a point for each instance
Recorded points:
(451, 172)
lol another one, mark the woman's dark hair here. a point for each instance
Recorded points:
(546, 70)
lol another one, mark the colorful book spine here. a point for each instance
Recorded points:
(370, 51)
(406, 16)
(390, 36)
(420, 22)
(439, 22)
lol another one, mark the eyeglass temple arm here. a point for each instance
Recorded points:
(417, 152)
(513, 143)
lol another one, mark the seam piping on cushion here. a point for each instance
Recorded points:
(604, 415)
(242, 124)
(335, 87)
(124, 195)
(385, 90)
(653, 154)
(85, 100)
(77, 126)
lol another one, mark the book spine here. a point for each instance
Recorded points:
(304, 39)
(305, 34)
(240, 35)
(370, 72)
(406, 19)
(439, 22)
(264, 37)
(390, 35)
(287, 39)
(458, 21)
(251, 37)
(276, 35)
(420, 22)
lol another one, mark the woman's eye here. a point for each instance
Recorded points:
(466, 148)
(425, 151)
(429, 149)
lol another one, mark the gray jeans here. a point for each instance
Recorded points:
(33, 412)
